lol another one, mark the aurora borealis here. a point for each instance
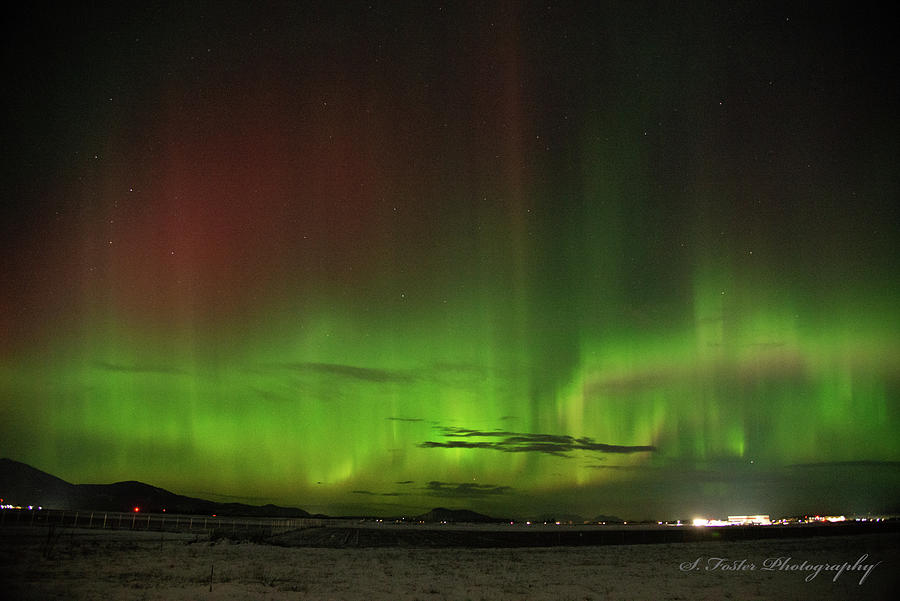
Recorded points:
(635, 259)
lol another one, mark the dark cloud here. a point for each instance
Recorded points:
(446, 374)
(625, 385)
(774, 356)
(366, 374)
(516, 442)
(462, 432)
(405, 482)
(376, 494)
(589, 445)
(463, 489)
(138, 369)
(457, 444)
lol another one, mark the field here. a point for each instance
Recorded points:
(81, 564)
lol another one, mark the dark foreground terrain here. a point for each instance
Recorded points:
(78, 564)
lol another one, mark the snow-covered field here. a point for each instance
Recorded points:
(109, 565)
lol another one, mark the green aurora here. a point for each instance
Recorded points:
(486, 259)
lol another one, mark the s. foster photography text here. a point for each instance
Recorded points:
(783, 564)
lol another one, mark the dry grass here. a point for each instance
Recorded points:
(108, 566)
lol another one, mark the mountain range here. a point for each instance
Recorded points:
(23, 485)
(441, 514)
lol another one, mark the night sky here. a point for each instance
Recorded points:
(634, 258)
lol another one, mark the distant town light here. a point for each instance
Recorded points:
(137, 509)
(754, 520)
(703, 522)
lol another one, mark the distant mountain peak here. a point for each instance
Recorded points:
(24, 485)
(442, 514)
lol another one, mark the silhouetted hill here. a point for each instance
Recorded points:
(23, 485)
(441, 514)
(608, 519)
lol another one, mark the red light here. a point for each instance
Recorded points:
(136, 509)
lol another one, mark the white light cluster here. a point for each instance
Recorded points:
(705, 522)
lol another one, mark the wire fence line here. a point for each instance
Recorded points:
(159, 522)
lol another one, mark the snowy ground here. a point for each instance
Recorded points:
(108, 565)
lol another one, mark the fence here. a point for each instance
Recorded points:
(160, 522)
